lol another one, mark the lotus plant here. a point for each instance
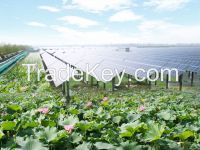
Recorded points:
(69, 128)
(142, 108)
(89, 104)
(44, 110)
(105, 98)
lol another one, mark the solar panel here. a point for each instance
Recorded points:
(51, 51)
(107, 67)
(48, 59)
(58, 70)
(116, 57)
(41, 52)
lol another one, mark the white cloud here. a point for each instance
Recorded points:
(36, 24)
(79, 21)
(97, 6)
(64, 2)
(156, 25)
(171, 34)
(159, 31)
(49, 8)
(90, 37)
(124, 15)
(166, 33)
(166, 4)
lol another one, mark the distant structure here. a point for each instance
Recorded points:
(127, 49)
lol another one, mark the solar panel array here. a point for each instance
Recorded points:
(118, 59)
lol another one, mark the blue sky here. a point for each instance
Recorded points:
(62, 22)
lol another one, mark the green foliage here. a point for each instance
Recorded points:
(70, 120)
(155, 132)
(1, 134)
(84, 146)
(101, 145)
(8, 48)
(48, 134)
(14, 107)
(184, 135)
(117, 119)
(170, 120)
(30, 144)
(128, 130)
(8, 125)
(167, 115)
(129, 146)
(76, 138)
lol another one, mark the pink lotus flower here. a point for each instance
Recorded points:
(89, 104)
(43, 110)
(141, 108)
(69, 128)
(105, 98)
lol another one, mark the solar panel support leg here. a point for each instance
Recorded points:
(180, 82)
(67, 91)
(188, 74)
(97, 84)
(159, 75)
(192, 79)
(104, 86)
(83, 78)
(113, 84)
(92, 81)
(63, 88)
(86, 78)
(167, 81)
(155, 81)
(150, 82)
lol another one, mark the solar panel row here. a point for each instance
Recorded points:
(118, 59)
